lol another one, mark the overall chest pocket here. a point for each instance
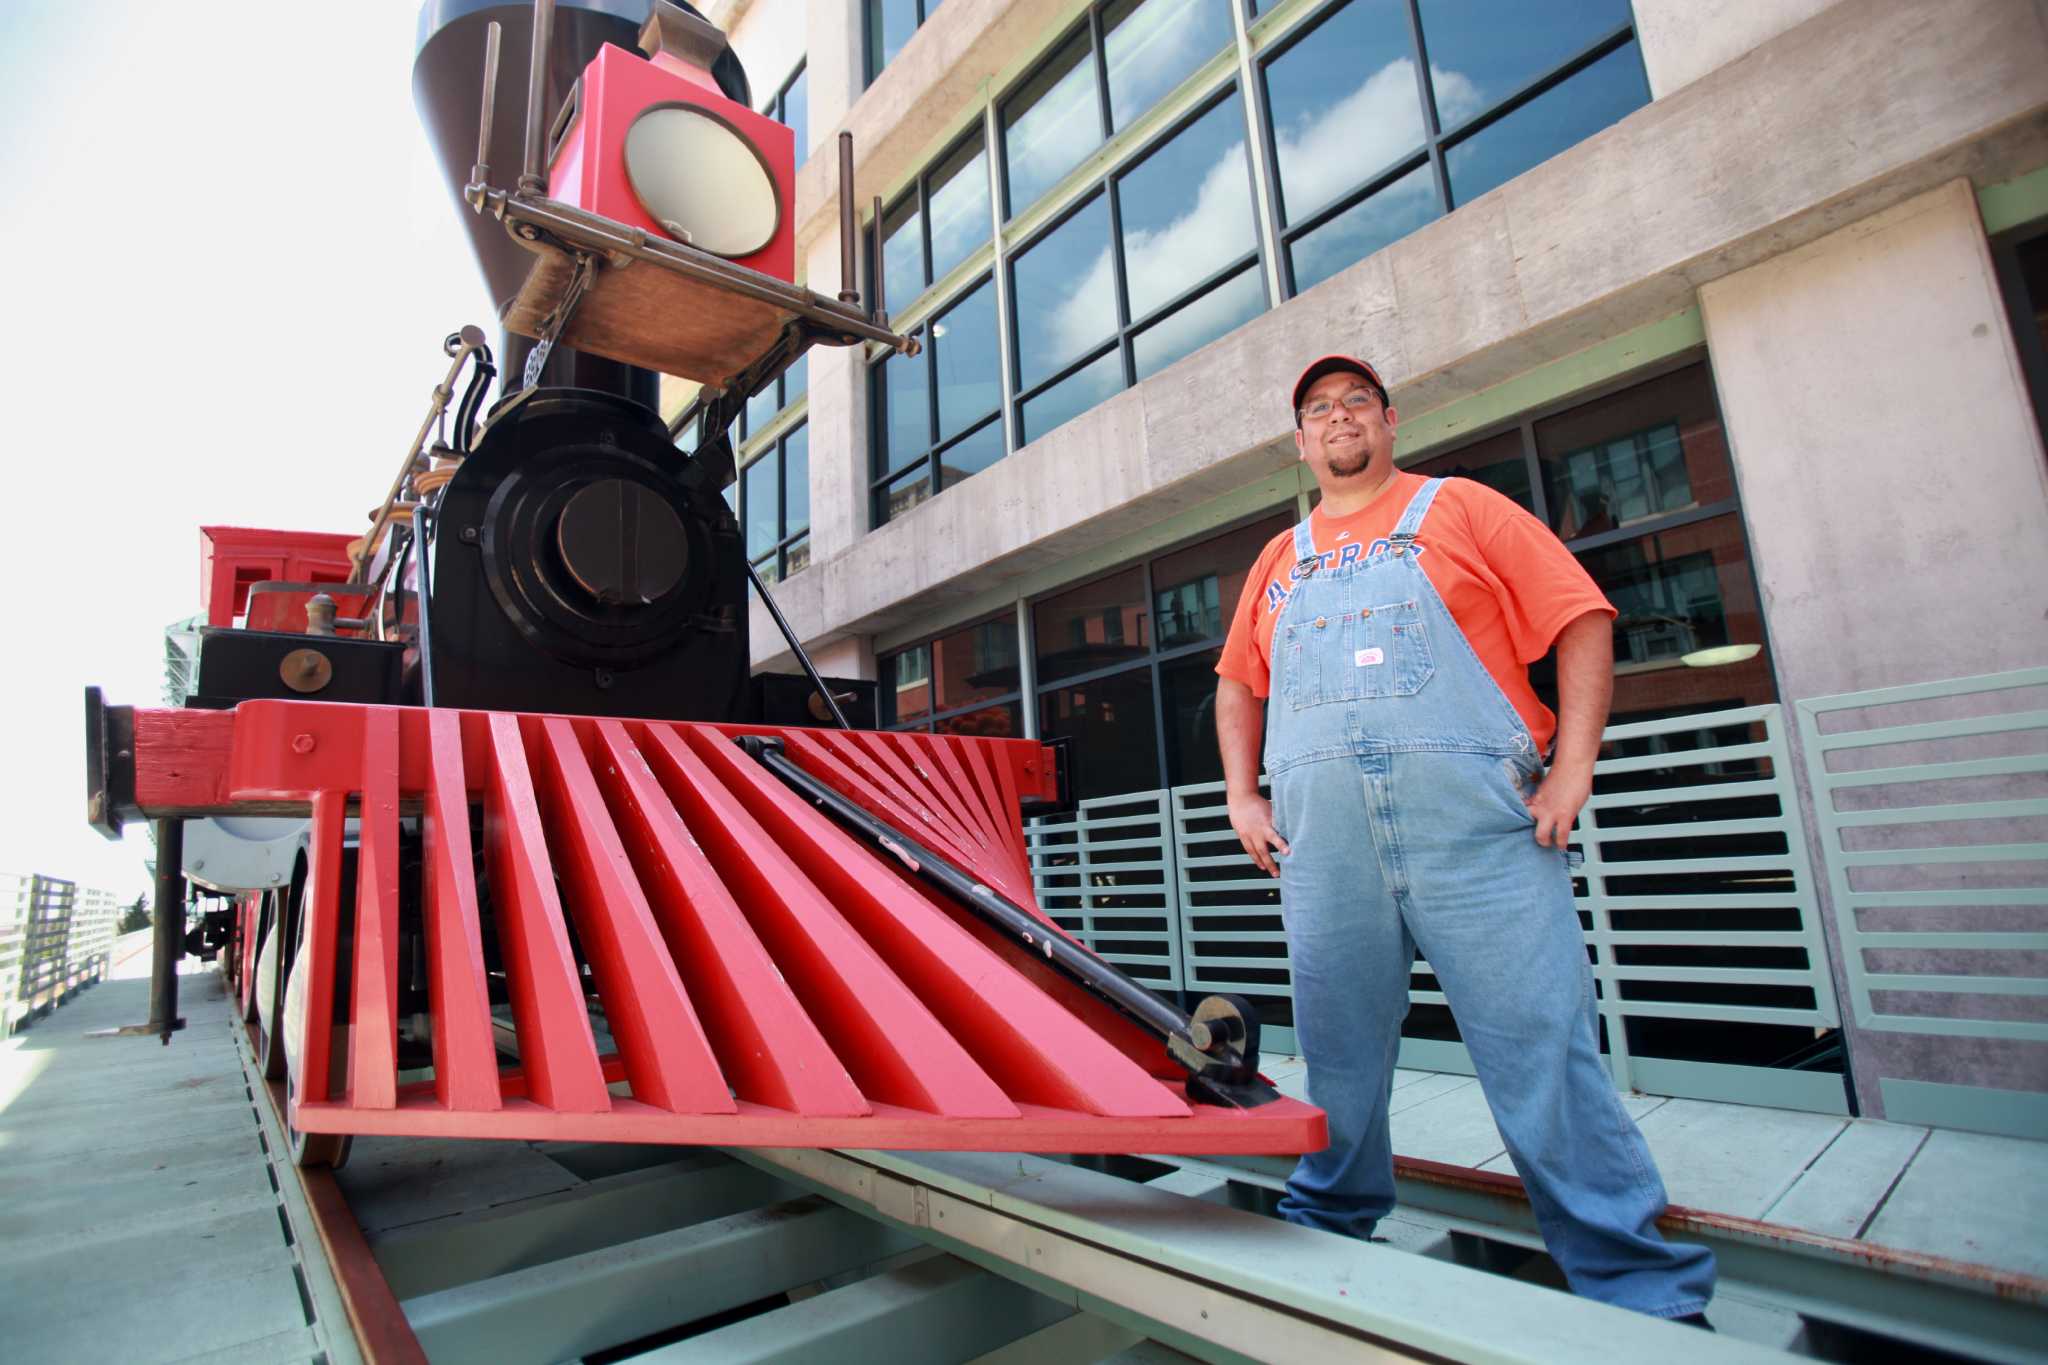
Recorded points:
(1378, 651)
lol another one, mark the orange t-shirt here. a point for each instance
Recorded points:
(1508, 582)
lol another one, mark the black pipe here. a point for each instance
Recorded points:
(1222, 1068)
(810, 669)
(169, 939)
(422, 517)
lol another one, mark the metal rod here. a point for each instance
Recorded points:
(878, 277)
(480, 173)
(422, 517)
(530, 179)
(831, 703)
(169, 939)
(849, 287)
(1225, 1066)
(460, 346)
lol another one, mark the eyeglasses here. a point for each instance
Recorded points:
(1355, 401)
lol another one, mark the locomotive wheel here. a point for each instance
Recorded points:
(317, 1151)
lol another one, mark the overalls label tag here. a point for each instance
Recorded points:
(1367, 657)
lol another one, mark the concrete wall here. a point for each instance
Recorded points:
(1685, 39)
(1835, 119)
(1896, 493)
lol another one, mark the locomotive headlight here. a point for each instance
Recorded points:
(701, 180)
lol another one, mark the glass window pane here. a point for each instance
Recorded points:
(1499, 462)
(971, 454)
(1187, 209)
(1071, 397)
(1603, 93)
(1345, 104)
(1482, 51)
(1093, 626)
(759, 478)
(1064, 292)
(1229, 305)
(890, 24)
(1150, 46)
(1050, 124)
(1678, 593)
(796, 380)
(907, 685)
(1646, 452)
(976, 663)
(959, 207)
(906, 400)
(1364, 228)
(1110, 720)
(766, 568)
(902, 254)
(1190, 701)
(1195, 590)
(797, 557)
(796, 112)
(905, 493)
(761, 407)
(796, 481)
(990, 722)
(964, 353)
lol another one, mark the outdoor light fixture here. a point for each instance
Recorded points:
(1718, 656)
(702, 181)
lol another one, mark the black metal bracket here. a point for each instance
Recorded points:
(1218, 1044)
(109, 765)
(1063, 802)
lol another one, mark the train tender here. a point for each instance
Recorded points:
(543, 861)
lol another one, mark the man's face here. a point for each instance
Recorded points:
(1347, 443)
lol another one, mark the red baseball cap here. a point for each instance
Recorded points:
(1334, 364)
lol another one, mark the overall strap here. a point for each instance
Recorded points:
(1411, 520)
(1304, 542)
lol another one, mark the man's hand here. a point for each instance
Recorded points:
(1555, 805)
(1251, 815)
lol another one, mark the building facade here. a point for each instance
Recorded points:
(1745, 301)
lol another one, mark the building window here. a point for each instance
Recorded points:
(1638, 484)
(889, 24)
(1387, 113)
(2021, 256)
(936, 415)
(772, 499)
(791, 106)
(965, 682)
(1161, 260)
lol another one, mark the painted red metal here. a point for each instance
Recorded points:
(765, 979)
(232, 559)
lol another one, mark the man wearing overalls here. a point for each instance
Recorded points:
(1393, 630)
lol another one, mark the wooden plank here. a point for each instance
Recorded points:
(465, 1056)
(373, 1032)
(1973, 1197)
(322, 938)
(668, 1058)
(556, 1049)
(1840, 1191)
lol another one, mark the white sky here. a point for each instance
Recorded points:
(229, 263)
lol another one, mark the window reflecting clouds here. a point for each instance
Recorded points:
(796, 482)
(1228, 306)
(903, 253)
(1388, 216)
(964, 353)
(959, 209)
(1186, 209)
(1499, 46)
(1151, 47)
(1053, 122)
(907, 428)
(972, 454)
(1065, 293)
(1072, 396)
(1345, 103)
(759, 482)
(1603, 93)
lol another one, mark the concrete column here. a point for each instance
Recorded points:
(1683, 40)
(1896, 492)
(833, 29)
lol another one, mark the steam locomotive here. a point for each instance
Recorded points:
(519, 848)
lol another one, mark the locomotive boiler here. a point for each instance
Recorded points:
(542, 860)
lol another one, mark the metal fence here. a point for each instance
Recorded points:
(1932, 807)
(1696, 896)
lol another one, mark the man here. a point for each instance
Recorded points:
(1393, 631)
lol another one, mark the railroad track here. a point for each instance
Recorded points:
(550, 1252)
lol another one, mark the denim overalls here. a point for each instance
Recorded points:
(1399, 770)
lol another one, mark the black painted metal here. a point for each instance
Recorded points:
(169, 939)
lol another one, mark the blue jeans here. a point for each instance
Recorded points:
(1432, 848)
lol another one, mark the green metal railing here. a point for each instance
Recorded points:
(1696, 894)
